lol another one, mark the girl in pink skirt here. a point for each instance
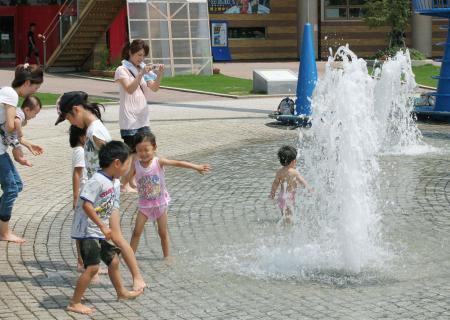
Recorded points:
(154, 199)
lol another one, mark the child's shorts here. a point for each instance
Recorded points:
(94, 250)
(153, 213)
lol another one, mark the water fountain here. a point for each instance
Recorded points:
(355, 118)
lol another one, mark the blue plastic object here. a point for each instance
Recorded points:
(307, 74)
(441, 110)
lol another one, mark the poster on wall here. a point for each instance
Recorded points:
(219, 34)
(239, 6)
(219, 40)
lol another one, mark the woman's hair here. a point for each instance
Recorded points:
(111, 151)
(31, 102)
(133, 47)
(68, 100)
(27, 72)
(145, 136)
(75, 134)
(287, 154)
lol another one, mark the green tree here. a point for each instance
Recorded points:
(394, 13)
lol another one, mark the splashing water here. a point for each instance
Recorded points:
(355, 118)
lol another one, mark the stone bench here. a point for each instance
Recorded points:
(274, 81)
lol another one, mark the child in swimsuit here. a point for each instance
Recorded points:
(288, 178)
(153, 202)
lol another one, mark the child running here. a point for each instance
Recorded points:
(74, 107)
(151, 185)
(93, 223)
(77, 138)
(289, 178)
(31, 106)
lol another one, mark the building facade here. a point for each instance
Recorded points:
(256, 29)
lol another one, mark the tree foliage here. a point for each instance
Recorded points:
(394, 13)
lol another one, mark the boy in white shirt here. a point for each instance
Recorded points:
(97, 210)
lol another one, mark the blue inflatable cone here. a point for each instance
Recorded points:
(307, 74)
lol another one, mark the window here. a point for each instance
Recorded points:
(247, 33)
(343, 9)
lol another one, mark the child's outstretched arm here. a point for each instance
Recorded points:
(19, 158)
(275, 184)
(90, 212)
(200, 168)
(34, 148)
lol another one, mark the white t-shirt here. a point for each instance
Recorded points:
(10, 97)
(104, 194)
(134, 111)
(98, 130)
(79, 162)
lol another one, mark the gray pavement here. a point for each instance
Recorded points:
(216, 219)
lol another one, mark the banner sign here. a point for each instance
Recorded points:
(239, 6)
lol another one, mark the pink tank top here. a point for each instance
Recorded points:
(151, 185)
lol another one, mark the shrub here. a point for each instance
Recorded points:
(390, 52)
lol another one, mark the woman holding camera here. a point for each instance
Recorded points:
(135, 80)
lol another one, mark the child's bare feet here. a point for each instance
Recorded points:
(80, 308)
(11, 237)
(139, 284)
(127, 295)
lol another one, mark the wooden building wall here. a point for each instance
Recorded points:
(364, 41)
(439, 35)
(281, 33)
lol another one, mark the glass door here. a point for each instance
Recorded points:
(7, 45)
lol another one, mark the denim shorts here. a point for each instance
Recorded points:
(129, 135)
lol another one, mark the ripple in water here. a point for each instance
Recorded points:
(337, 237)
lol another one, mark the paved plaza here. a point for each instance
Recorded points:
(215, 219)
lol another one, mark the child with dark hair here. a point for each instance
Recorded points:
(77, 138)
(31, 106)
(93, 220)
(74, 107)
(151, 185)
(289, 178)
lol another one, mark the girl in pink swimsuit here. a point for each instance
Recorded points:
(151, 185)
(288, 178)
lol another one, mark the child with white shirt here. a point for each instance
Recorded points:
(93, 224)
(77, 138)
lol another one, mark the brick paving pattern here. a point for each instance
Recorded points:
(220, 211)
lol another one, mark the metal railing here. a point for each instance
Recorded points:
(61, 23)
(428, 5)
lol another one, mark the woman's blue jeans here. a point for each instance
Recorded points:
(11, 186)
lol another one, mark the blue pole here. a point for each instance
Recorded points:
(307, 74)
